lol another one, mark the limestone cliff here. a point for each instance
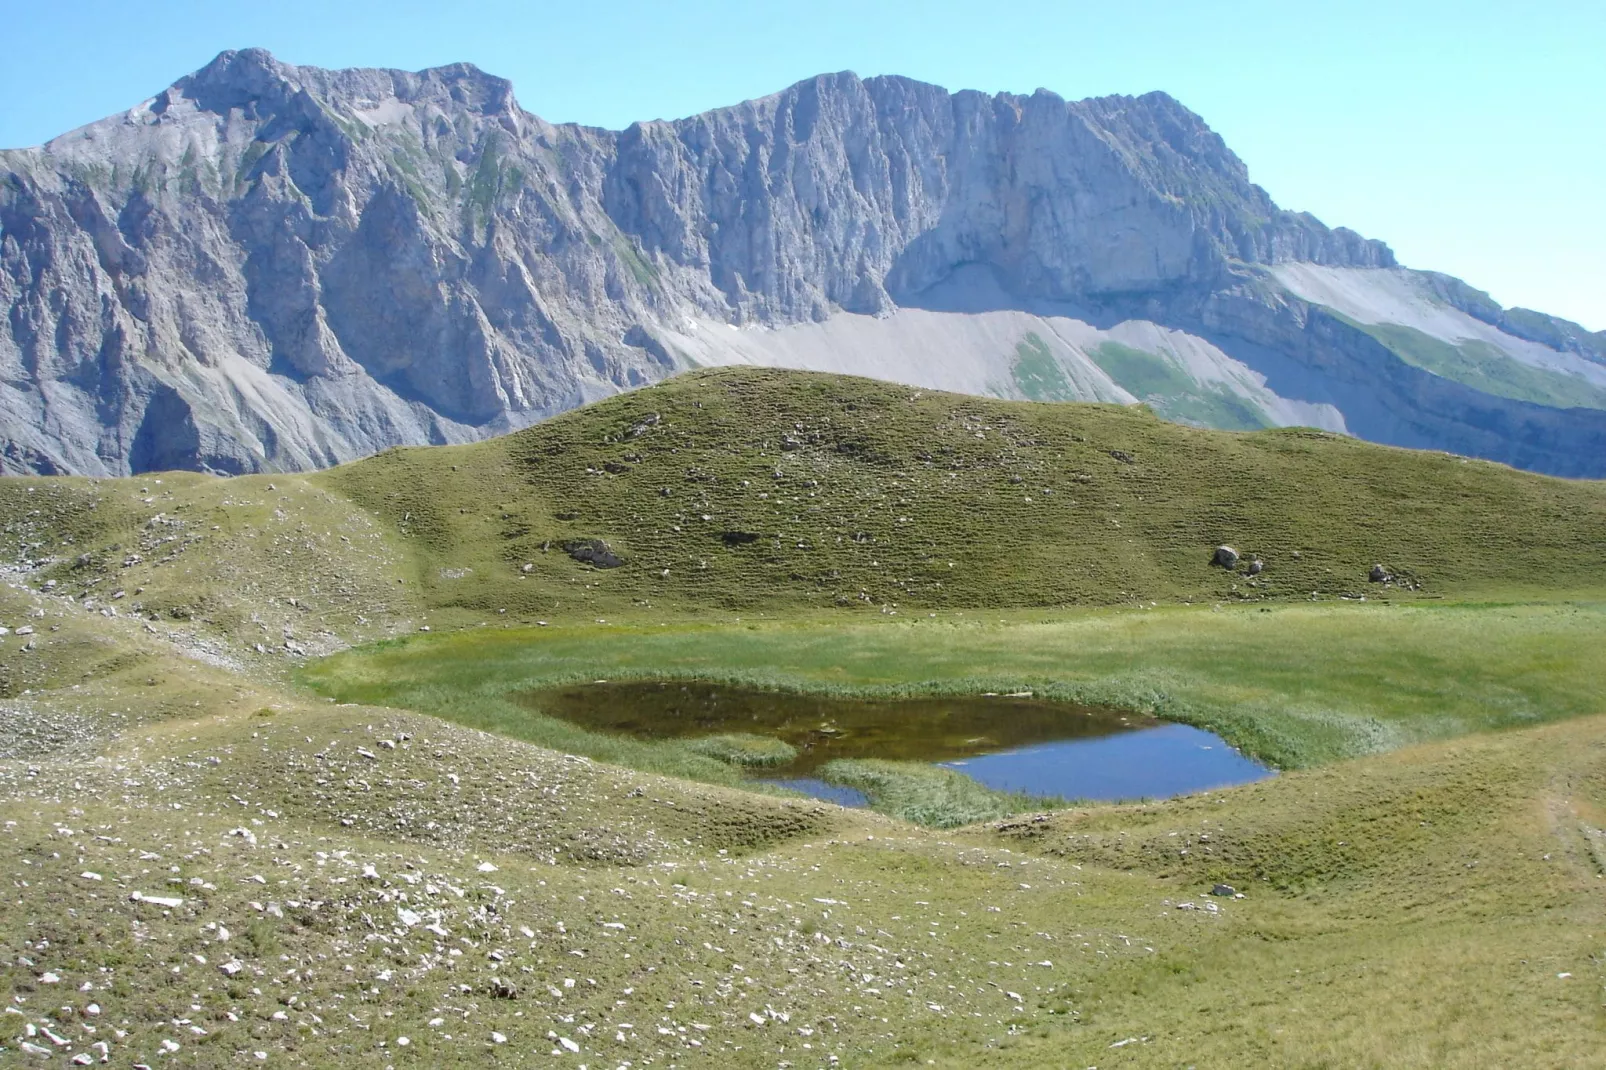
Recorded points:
(276, 267)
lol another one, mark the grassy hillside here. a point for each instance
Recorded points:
(348, 876)
(412, 870)
(863, 493)
(749, 490)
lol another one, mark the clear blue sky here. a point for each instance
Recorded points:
(1471, 136)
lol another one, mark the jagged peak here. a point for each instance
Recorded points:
(235, 78)
(252, 79)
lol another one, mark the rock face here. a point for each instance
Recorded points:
(271, 267)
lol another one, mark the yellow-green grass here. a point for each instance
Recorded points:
(1417, 909)
(743, 748)
(871, 496)
(862, 497)
(1437, 905)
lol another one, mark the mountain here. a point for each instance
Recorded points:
(270, 267)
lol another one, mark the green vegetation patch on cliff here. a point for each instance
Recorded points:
(1037, 374)
(1175, 394)
(1485, 367)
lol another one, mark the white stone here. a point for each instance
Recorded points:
(156, 900)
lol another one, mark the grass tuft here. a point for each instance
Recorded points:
(928, 794)
(740, 748)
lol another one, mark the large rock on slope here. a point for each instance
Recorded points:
(276, 267)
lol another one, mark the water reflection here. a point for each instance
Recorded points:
(1011, 742)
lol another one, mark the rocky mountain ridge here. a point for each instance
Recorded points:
(274, 267)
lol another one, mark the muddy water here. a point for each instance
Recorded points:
(1011, 742)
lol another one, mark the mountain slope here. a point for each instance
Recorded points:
(272, 267)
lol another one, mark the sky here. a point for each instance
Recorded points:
(1470, 136)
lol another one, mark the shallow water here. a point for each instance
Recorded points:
(1149, 763)
(820, 789)
(1009, 742)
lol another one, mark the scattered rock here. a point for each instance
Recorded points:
(1225, 557)
(738, 538)
(593, 552)
(156, 900)
(641, 426)
(1226, 890)
(1123, 456)
(1379, 574)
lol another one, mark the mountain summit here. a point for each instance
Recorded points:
(271, 267)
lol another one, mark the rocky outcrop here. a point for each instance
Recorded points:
(276, 267)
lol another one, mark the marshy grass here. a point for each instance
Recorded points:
(929, 794)
(1292, 686)
(744, 749)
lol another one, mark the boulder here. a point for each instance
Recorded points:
(1379, 574)
(1256, 567)
(1225, 556)
(593, 552)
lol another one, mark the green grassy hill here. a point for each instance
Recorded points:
(411, 856)
(748, 489)
(855, 492)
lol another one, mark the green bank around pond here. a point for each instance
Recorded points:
(1292, 685)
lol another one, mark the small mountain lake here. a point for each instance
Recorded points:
(1014, 743)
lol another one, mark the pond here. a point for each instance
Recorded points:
(1009, 742)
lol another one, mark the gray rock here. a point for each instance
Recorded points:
(1226, 890)
(1379, 574)
(1256, 567)
(1225, 557)
(594, 552)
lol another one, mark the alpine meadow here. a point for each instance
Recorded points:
(872, 576)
